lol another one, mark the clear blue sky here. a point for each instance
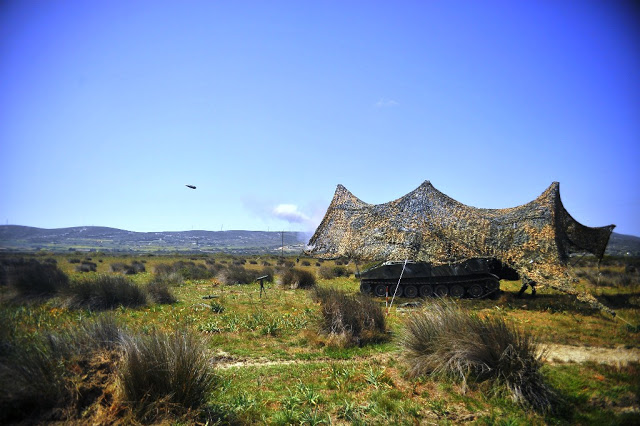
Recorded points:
(108, 108)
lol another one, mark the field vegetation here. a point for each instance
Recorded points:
(194, 339)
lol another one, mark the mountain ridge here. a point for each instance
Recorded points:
(103, 238)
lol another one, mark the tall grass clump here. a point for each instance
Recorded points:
(165, 374)
(188, 270)
(35, 279)
(36, 373)
(134, 268)
(352, 318)
(32, 376)
(160, 292)
(106, 292)
(87, 266)
(330, 272)
(444, 340)
(297, 278)
(235, 274)
(192, 270)
(173, 279)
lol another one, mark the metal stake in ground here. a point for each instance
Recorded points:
(261, 281)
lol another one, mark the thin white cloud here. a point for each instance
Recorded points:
(386, 103)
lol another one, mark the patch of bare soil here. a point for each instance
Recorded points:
(620, 356)
(225, 361)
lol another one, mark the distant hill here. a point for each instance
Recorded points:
(623, 245)
(99, 238)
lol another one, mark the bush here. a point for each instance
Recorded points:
(87, 266)
(188, 270)
(135, 267)
(35, 372)
(358, 319)
(118, 267)
(445, 340)
(269, 272)
(33, 279)
(327, 272)
(165, 373)
(297, 278)
(170, 278)
(32, 376)
(106, 292)
(163, 269)
(236, 274)
(160, 292)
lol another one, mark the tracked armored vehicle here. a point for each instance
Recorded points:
(473, 278)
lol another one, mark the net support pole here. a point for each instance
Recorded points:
(397, 285)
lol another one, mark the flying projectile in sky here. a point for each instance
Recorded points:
(190, 186)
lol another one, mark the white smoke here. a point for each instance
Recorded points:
(290, 213)
(305, 219)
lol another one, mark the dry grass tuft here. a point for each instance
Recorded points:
(297, 278)
(445, 340)
(350, 319)
(163, 374)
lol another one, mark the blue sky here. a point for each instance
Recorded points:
(108, 108)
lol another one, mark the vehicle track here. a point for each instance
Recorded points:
(552, 354)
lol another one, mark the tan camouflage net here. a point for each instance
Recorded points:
(535, 239)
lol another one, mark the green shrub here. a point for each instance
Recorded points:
(188, 270)
(355, 317)
(118, 267)
(160, 292)
(445, 340)
(328, 272)
(235, 274)
(216, 307)
(165, 373)
(135, 268)
(192, 271)
(32, 376)
(297, 278)
(34, 279)
(87, 266)
(269, 272)
(105, 292)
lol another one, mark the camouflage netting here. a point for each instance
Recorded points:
(535, 239)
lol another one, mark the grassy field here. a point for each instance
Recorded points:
(273, 366)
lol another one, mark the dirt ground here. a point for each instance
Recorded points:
(620, 356)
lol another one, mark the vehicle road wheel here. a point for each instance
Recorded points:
(398, 293)
(475, 291)
(380, 290)
(365, 287)
(426, 291)
(442, 290)
(457, 291)
(410, 291)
